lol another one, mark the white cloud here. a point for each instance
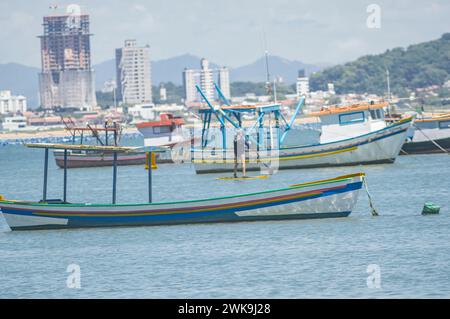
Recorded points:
(230, 32)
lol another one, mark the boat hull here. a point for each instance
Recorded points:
(379, 147)
(97, 159)
(426, 147)
(322, 199)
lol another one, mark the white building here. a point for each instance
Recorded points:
(162, 93)
(205, 78)
(12, 104)
(13, 123)
(142, 111)
(224, 82)
(331, 89)
(189, 82)
(302, 84)
(133, 73)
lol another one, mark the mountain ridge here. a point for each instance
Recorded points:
(23, 80)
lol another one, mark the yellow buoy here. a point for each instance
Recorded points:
(1, 197)
(153, 160)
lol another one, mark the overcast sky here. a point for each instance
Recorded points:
(230, 32)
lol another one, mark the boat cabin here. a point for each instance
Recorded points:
(166, 131)
(338, 123)
(435, 127)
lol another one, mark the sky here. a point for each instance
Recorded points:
(232, 32)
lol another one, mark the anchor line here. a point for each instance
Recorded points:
(372, 207)
(431, 140)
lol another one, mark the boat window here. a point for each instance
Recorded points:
(376, 114)
(380, 113)
(444, 124)
(351, 118)
(161, 129)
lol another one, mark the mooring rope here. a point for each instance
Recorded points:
(431, 140)
(372, 207)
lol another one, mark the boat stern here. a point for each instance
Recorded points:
(20, 217)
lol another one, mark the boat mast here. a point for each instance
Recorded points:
(388, 81)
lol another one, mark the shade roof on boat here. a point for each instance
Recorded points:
(349, 108)
(85, 147)
(244, 108)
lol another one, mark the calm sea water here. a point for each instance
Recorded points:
(292, 259)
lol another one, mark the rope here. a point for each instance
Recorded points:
(431, 140)
(372, 207)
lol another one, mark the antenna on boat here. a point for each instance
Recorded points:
(266, 58)
(388, 82)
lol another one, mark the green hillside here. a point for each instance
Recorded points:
(417, 66)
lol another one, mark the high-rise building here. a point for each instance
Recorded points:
(302, 84)
(189, 82)
(67, 79)
(205, 78)
(133, 73)
(224, 82)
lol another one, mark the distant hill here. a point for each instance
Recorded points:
(21, 80)
(278, 67)
(417, 66)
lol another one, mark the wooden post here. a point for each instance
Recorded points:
(44, 191)
(65, 176)
(114, 178)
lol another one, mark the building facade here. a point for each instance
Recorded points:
(224, 82)
(133, 73)
(205, 77)
(302, 84)
(207, 80)
(10, 104)
(66, 80)
(189, 81)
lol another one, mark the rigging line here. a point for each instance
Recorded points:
(431, 140)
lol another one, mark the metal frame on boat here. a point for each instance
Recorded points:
(380, 145)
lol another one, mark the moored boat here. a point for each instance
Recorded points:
(81, 158)
(351, 135)
(109, 134)
(430, 134)
(329, 198)
(165, 132)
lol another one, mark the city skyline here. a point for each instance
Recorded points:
(318, 31)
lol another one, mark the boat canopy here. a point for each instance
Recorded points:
(85, 147)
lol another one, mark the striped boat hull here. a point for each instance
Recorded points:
(379, 147)
(322, 199)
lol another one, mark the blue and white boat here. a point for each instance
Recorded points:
(351, 135)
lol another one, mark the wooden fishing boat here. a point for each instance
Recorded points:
(328, 198)
(351, 135)
(108, 134)
(429, 135)
(82, 158)
(166, 132)
(320, 199)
